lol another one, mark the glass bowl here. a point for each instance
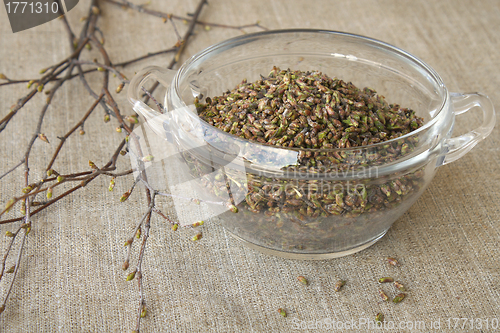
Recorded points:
(302, 202)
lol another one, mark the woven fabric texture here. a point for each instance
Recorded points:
(70, 278)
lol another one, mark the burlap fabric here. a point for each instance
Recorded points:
(70, 279)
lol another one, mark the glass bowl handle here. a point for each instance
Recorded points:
(461, 145)
(157, 121)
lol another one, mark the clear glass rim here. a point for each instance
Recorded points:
(239, 40)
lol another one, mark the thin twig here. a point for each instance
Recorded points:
(167, 16)
(145, 237)
(9, 246)
(13, 168)
(80, 123)
(16, 269)
(122, 77)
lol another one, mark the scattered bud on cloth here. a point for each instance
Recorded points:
(399, 298)
(302, 280)
(339, 285)
(385, 280)
(383, 295)
(399, 286)
(392, 261)
(197, 236)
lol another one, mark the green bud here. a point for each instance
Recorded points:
(23, 207)
(282, 312)
(339, 285)
(148, 158)
(198, 223)
(132, 119)
(9, 205)
(27, 189)
(385, 280)
(197, 237)
(43, 137)
(119, 88)
(399, 298)
(233, 208)
(383, 295)
(125, 196)
(131, 276)
(399, 285)
(111, 184)
(302, 280)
